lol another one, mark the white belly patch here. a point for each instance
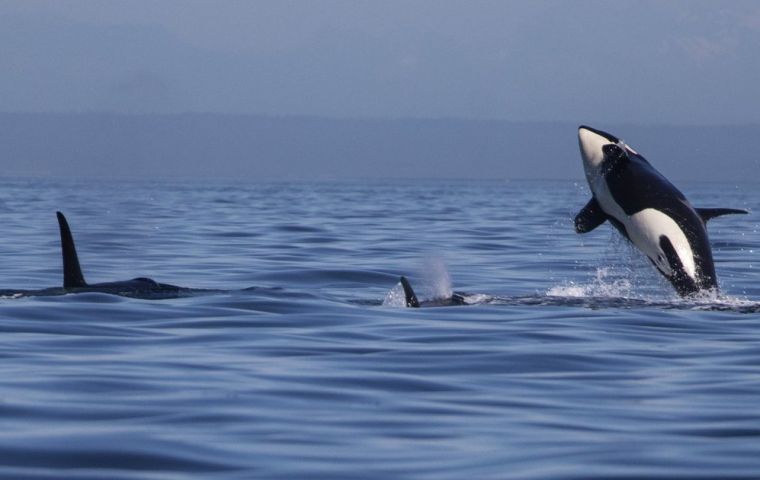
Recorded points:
(645, 228)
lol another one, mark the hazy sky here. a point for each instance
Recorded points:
(682, 62)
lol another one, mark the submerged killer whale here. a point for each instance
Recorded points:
(647, 210)
(412, 301)
(74, 282)
(73, 279)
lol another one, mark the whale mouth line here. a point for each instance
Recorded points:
(601, 133)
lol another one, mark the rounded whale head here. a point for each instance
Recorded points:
(592, 143)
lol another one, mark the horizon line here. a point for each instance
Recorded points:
(368, 118)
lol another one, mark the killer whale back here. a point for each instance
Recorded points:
(72, 272)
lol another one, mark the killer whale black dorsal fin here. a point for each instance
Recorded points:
(590, 217)
(709, 213)
(411, 297)
(72, 272)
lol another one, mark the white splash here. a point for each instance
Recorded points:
(604, 284)
(476, 298)
(12, 296)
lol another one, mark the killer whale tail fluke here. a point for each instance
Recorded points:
(710, 213)
(72, 272)
(410, 296)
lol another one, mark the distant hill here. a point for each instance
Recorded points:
(249, 147)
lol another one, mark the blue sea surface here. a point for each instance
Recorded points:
(577, 361)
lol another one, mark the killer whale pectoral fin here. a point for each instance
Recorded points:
(72, 272)
(590, 217)
(710, 213)
(410, 296)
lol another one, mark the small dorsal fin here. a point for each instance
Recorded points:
(72, 273)
(411, 298)
(708, 213)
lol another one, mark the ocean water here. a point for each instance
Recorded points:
(577, 361)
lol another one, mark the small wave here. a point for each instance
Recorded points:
(11, 295)
(716, 301)
(608, 289)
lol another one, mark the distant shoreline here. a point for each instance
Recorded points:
(207, 146)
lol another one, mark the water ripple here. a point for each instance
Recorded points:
(574, 361)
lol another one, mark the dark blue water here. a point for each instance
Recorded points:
(576, 362)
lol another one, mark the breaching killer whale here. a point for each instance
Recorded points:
(74, 282)
(647, 210)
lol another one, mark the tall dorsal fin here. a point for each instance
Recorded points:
(72, 273)
(411, 298)
(708, 213)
